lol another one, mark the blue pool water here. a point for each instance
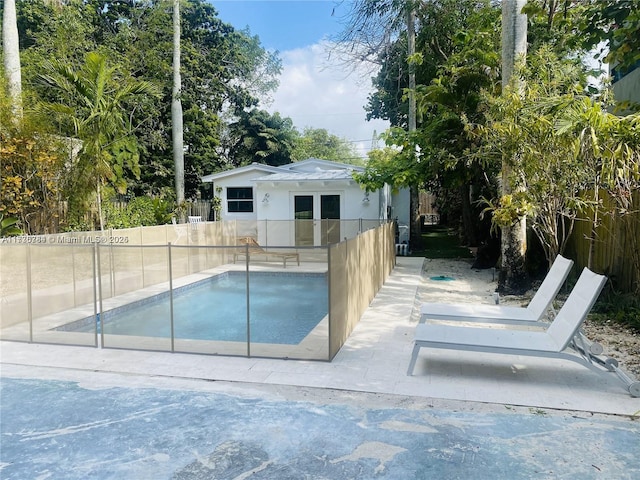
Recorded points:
(284, 308)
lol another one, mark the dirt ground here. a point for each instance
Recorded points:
(454, 281)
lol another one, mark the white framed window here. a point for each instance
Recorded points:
(239, 199)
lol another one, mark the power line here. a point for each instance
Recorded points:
(357, 141)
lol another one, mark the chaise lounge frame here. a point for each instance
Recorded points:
(554, 342)
(533, 313)
(253, 248)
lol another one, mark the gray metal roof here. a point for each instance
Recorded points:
(259, 167)
(317, 163)
(310, 169)
(307, 176)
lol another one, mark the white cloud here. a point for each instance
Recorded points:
(315, 94)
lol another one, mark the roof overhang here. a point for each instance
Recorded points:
(258, 168)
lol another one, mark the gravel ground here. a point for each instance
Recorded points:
(472, 285)
(618, 341)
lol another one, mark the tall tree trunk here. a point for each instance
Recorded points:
(595, 223)
(11, 54)
(176, 110)
(411, 50)
(513, 277)
(469, 221)
(514, 37)
(414, 194)
(99, 202)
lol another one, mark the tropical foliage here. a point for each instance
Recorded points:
(102, 72)
(522, 126)
(258, 135)
(616, 22)
(555, 129)
(139, 211)
(32, 170)
(8, 226)
(224, 72)
(457, 44)
(91, 110)
(319, 143)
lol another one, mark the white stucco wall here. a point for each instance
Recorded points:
(281, 204)
(274, 198)
(401, 201)
(243, 179)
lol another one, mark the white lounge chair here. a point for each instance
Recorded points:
(540, 306)
(533, 313)
(179, 229)
(553, 342)
(194, 221)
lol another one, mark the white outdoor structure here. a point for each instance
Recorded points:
(310, 190)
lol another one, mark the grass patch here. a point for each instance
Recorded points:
(440, 242)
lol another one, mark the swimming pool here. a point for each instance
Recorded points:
(284, 308)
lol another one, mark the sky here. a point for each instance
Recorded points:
(313, 92)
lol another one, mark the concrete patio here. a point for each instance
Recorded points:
(306, 419)
(375, 358)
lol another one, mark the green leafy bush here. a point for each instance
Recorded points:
(9, 226)
(623, 308)
(139, 211)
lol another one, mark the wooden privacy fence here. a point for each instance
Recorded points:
(616, 247)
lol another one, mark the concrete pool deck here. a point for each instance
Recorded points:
(79, 412)
(374, 359)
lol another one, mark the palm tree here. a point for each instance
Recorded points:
(514, 237)
(259, 136)
(92, 106)
(371, 27)
(11, 55)
(176, 109)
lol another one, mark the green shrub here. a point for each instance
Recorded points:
(139, 211)
(9, 226)
(623, 308)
